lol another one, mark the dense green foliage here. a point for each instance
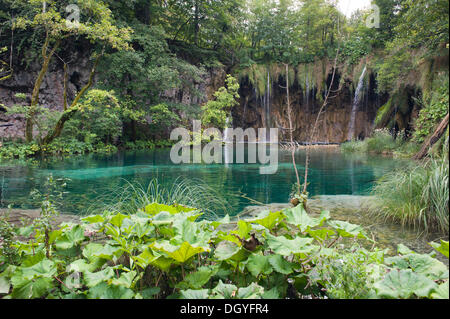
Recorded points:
(383, 142)
(151, 50)
(215, 112)
(416, 196)
(167, 252)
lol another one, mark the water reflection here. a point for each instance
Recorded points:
(93, 176)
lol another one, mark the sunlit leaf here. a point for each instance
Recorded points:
(267, 219)
(280, 264)
(404, 284)
(285, 247)
(346, 229)
(421, 264)
(442, 247)
(254, 291)
(105, 291)
(441, 292)
(194, 294)
(224, 291)
(259, 264)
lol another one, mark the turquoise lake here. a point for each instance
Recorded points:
(92, 177)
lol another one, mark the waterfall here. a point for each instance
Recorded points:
(307, 91)
(267, 107)
(356, 101)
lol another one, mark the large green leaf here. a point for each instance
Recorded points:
(162, 263)
(244, 229)
(224, 291)
(254, 291)
(403, 250)
(32, 289)
(90, 249)
(441, 292)
(321, 233)
(346, 229)
(4, 285)
(442, 247)
(31, 260)
(187, 231)
(404, 284)
(271, 294)
(267, 219)
(105, 291)
(117, 220)
(81, 265)
(108, 252)
(145, 258)
(150, 292)
(285, 247)
(421, 264)
(227, 250)
(93, 219)
(95, 278)
(198, 279)
(194, 294)
(299, 217)
(70, 238)
(179, 253)
(259, 264)
(126, 279)
(156, 208)
(45, 268)
(281, 265)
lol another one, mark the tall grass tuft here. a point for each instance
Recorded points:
(192, 193)
(383, 142)
(416, 196)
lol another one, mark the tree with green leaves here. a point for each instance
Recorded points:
(216, 112)
(50, 20)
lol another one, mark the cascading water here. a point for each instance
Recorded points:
(267, 107)
(357, 100)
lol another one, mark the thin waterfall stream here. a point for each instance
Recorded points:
(356, 101)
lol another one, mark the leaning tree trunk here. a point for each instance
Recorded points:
(433, 139)
(71, 111)
(37, 86)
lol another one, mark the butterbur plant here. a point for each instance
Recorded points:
(165, 251)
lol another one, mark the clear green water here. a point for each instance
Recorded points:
(93, 177)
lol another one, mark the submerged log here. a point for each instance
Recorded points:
(433, 139)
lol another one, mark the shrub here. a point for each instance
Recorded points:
(163, 251)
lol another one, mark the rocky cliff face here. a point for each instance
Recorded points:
(257, 111)
(52, 90)
(50, 95)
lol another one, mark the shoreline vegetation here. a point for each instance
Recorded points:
(169, 251)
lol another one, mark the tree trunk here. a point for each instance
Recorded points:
(67, 115)
(37, 86)
(433, 139)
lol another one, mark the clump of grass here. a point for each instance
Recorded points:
(416, 196)
(354, 147)
(383, 142)
(192, 193)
